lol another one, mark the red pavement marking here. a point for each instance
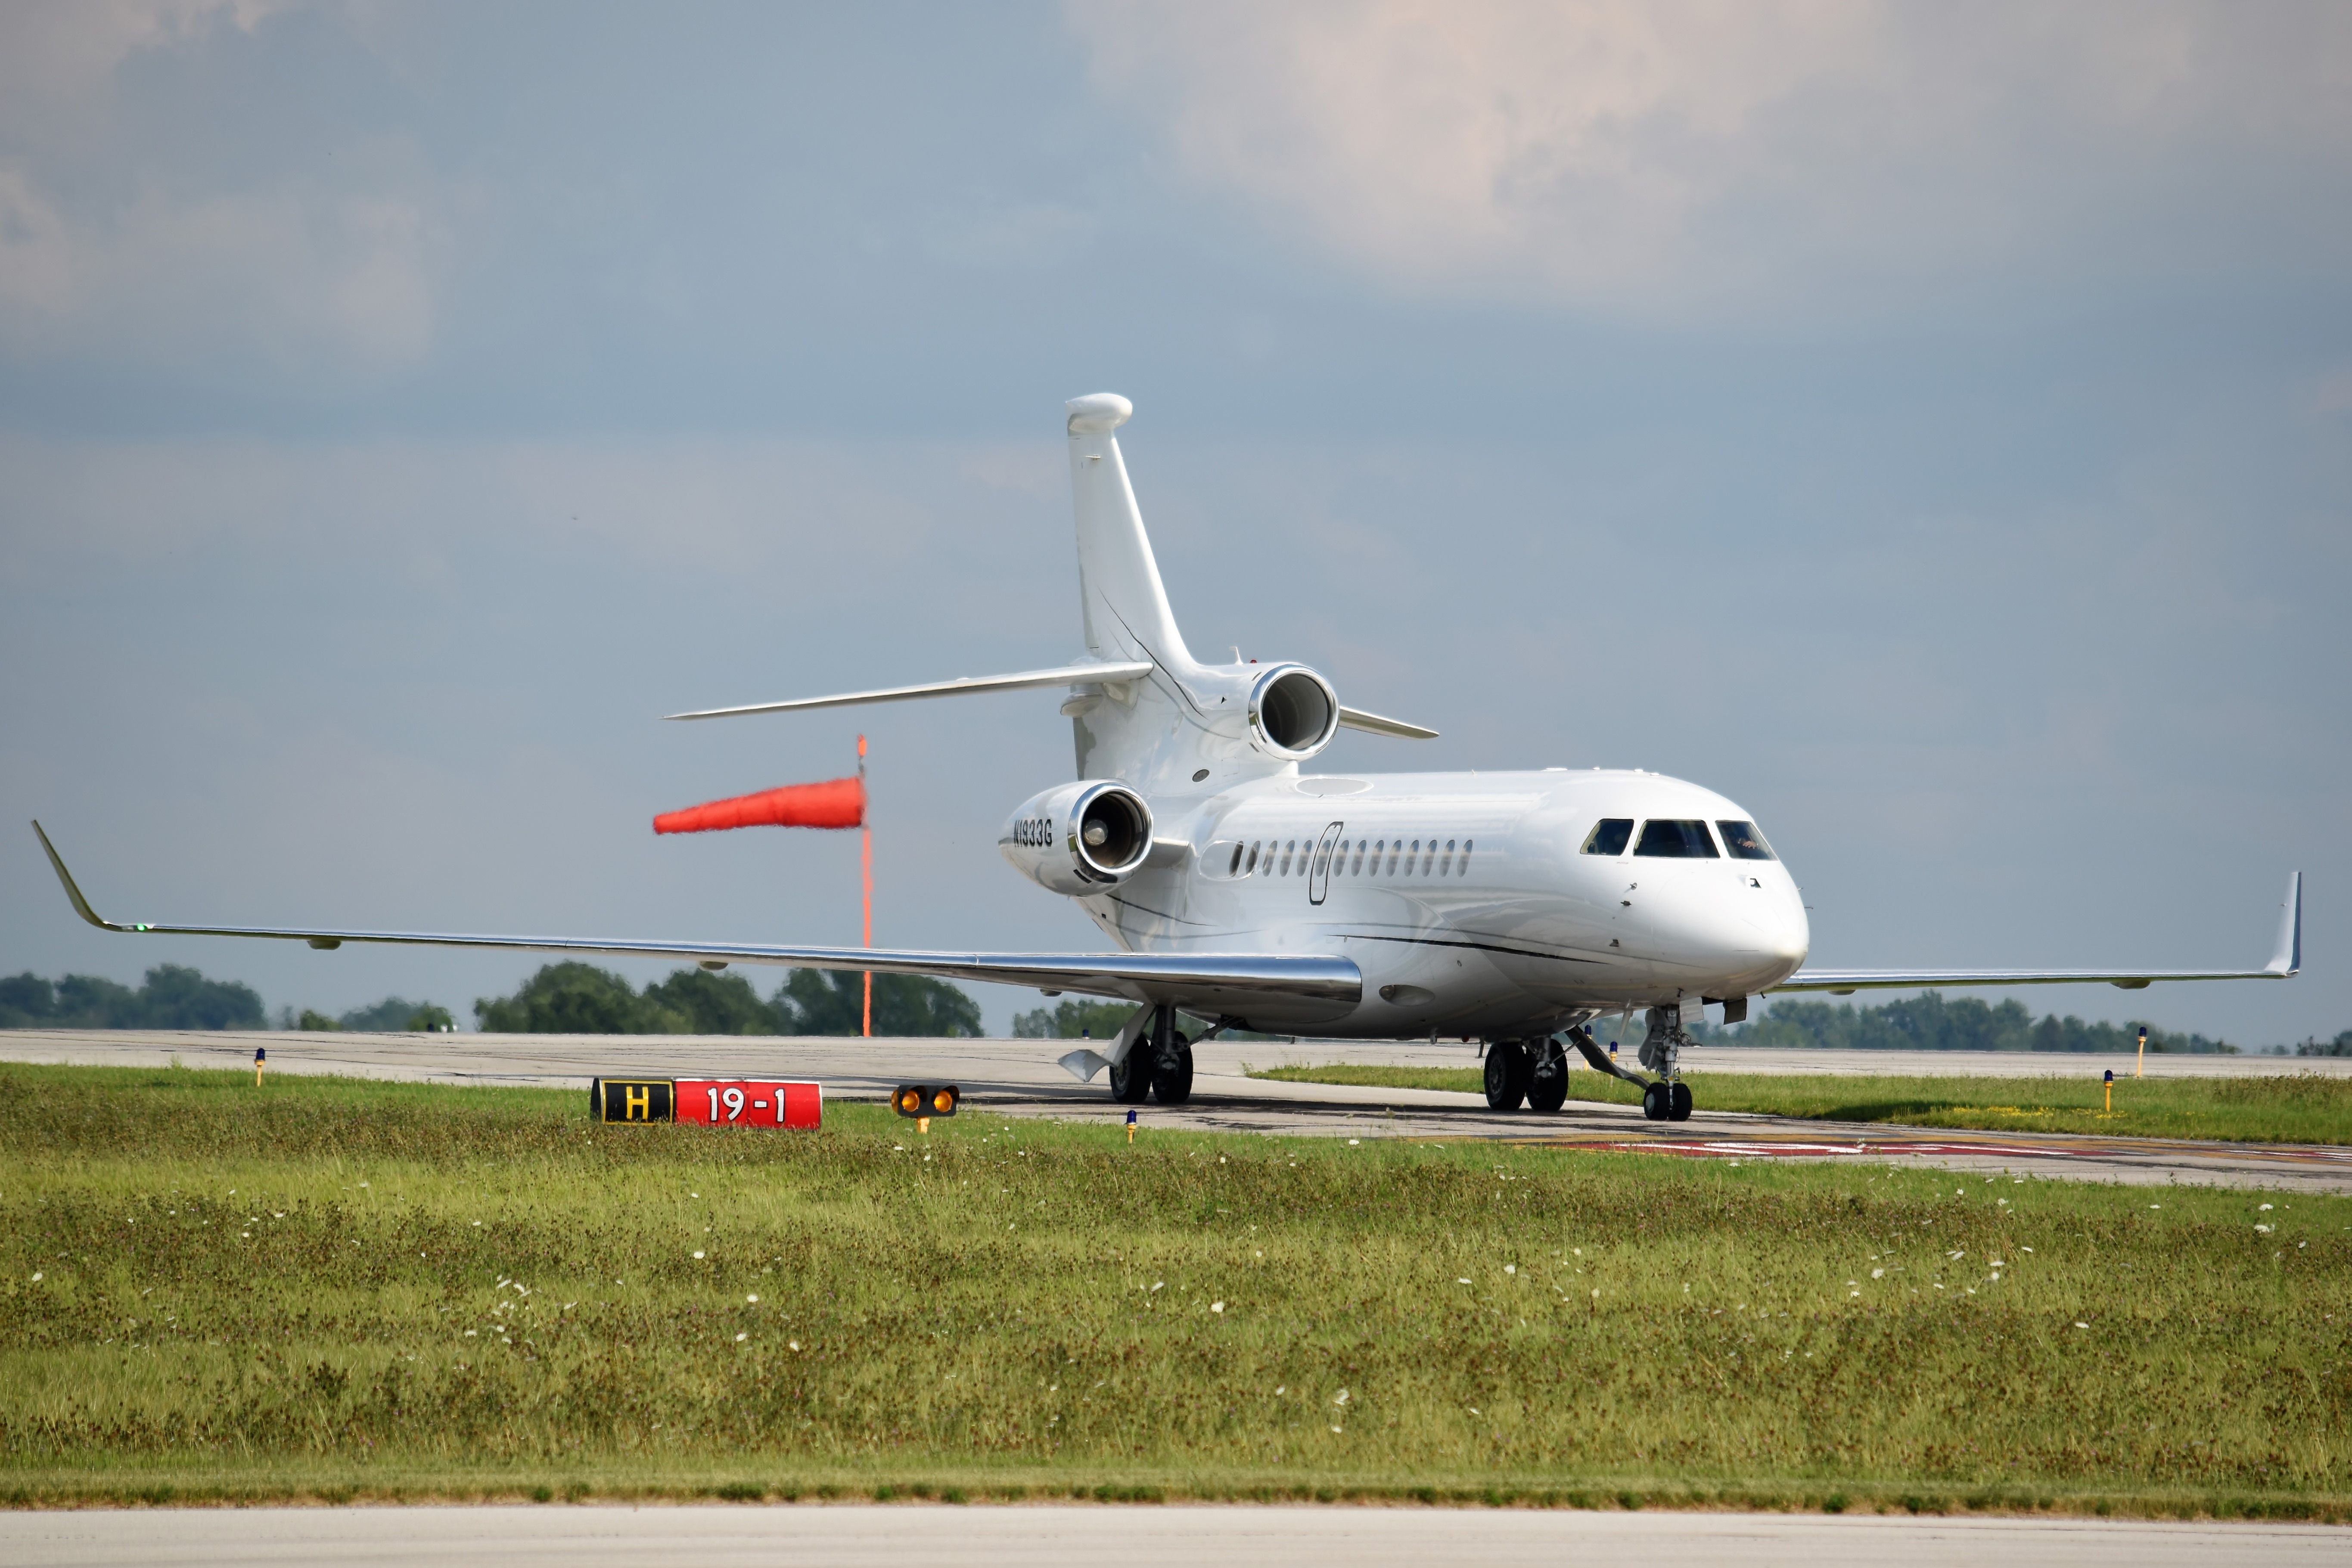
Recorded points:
(1716, 1149)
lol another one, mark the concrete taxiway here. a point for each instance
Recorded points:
(1020, 1078)
(983, 1537)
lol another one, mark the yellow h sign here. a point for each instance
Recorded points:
(639, 1099)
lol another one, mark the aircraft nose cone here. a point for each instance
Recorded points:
(1782, 932)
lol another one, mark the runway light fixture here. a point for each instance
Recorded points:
(925, 1099)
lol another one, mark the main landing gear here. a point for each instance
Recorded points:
(1534, 1072)
(1158, 1065)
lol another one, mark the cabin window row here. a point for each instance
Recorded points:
(1675, 838)
(1353, 857)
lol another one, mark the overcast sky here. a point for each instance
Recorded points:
(1930, 426)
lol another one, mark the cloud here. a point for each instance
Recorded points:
(113, 244)
(1655, 155)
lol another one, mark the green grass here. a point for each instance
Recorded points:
(258, 1293)
(2285, 1108)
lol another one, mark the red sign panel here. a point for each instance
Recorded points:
(747, 1103)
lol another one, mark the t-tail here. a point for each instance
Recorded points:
(1122, 605)
(1143, 711)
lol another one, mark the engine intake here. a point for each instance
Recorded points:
(1293, 711)
(1080, 838)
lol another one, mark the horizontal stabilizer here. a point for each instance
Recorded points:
(1270, 991)
(1373, 724)
(2285, 962)
(1067, 675)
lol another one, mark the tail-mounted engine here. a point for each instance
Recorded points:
(1292, 712)
(1081, 837)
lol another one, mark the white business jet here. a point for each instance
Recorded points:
(1512, 907)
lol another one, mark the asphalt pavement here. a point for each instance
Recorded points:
(1022, 1077)
(1139, 1537)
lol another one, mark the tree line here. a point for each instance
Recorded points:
(561, 998)
(1932, 1022)
(575, 998)
(173, 997)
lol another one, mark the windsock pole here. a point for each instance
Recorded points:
(865, 871)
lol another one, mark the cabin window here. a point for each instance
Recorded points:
(1430, 859)
(1393, 858)
(1672, 840)
(1462, 867)
(1235, 868)
(1445, 866)
(1289, 848)
(1251, 869)
(1609, 836)
(1744, 842)
(1413, 854)
(1357, 870)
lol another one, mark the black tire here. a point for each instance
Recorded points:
(1679, 1109)
(1130, 1076)
(1657, 1099)
(1173, 1085)
(1548, 1078)
(1506, 1075)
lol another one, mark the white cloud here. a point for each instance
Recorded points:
(61, 52)
(1656, 154)
(338, 256)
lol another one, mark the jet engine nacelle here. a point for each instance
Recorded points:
(1082, 837)
(1292, 712)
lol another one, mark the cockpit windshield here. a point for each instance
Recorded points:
(1609, 836)
(1744, 842)
(1676, 840)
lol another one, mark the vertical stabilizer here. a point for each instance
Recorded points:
(1125, 608)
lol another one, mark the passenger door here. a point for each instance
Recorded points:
(1318, 876)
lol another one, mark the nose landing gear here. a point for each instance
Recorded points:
(1666, 1098)
(1663, 1101)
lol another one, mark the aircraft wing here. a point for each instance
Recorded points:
(2285, 962)
(1067, 675)
(1266, 990)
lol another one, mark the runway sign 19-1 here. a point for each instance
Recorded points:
(706, 1101)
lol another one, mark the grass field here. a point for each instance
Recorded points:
(2289, 1107)
(329, 1288)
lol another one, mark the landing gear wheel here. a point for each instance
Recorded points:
(1657, 1100)
(1679, 1109)
(1171, 1084)
(1130, 1076)
(1506, 1075)
(1547, 1081)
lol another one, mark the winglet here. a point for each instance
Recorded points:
(81, 904)
(2289, 957)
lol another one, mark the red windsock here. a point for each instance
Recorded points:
(835, 803)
